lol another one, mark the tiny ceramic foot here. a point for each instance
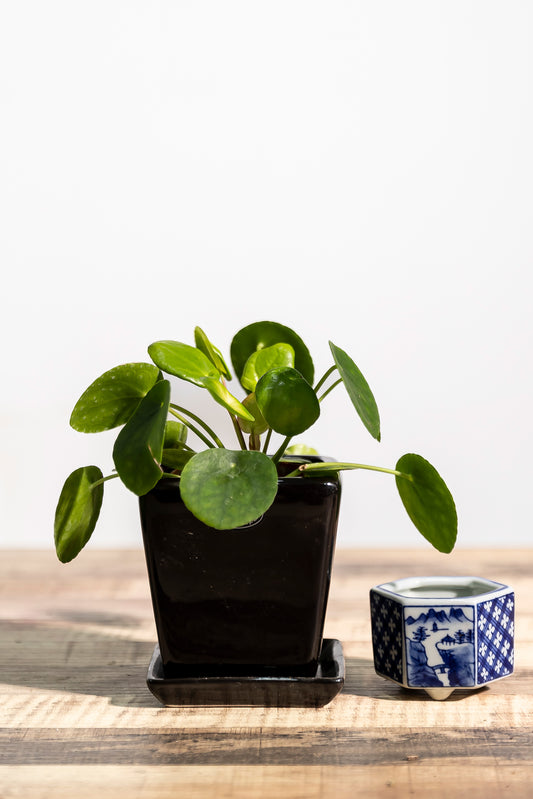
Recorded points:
(439, 693)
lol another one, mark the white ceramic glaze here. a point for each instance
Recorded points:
(443, 633)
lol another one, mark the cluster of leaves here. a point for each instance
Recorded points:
(227, 488)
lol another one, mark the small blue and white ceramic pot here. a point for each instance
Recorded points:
(442, 633)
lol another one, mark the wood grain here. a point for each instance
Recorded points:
(76, 718)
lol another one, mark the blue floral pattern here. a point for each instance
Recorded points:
(495, 623)
(387, 622)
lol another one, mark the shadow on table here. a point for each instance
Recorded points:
(362, 680)
(79, 653)
(93, 653)
(98, 654)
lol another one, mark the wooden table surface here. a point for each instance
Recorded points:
(78, 721)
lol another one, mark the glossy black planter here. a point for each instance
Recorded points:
(250, 601)
(270, 690)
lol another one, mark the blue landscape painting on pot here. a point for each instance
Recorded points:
(440, 647)
(443, 644)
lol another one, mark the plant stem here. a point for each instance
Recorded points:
(238, 431)
(267, 441)
(173, 410)
(277, 455)
(184, 446)
(325, 394)
(325, 377)
(255, 442)
(104, 480)
(334, 466)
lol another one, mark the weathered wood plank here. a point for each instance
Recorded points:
(78, 720)
(480, 779)
(260, 747)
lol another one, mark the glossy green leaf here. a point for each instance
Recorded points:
(191, 364)
(287, 401)
(175, 459)
(301, 449)
(358, 391)
(77, 511)
(226, 488)
(220, 394)
(112, 398)
(259, 425)
(428, 501)
(259, 335)
(175, 456)
(262, 361)
(139, 447)
(175, 434)
(183, 361)
(214, 354)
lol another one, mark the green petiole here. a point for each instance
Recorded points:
(337, 467)
(238, 431)
(277, 455)
(325, 394)
(104, 480)
(324, 378)
(173, 409)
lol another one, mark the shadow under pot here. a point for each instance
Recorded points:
(240, 613)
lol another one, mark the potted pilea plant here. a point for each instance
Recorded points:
(239, 539)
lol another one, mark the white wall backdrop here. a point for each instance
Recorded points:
(360, 171)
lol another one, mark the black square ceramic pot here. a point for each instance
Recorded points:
(252, 598)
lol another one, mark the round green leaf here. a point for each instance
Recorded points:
(175, 459)
(139, 447)
(112, 398)
(428, 501)
(262, 361)
(301, 449)
(226, 488)
(214, 355)
(220, 394)
(287, 401)
(259, 335)
(175, 434)
(191, 364)
(358, 391)
(259, 424)
(175, 456)
(77, 511)
(183, 361)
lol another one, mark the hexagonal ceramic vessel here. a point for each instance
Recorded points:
(442, 633)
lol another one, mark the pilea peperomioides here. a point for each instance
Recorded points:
(229, 487)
